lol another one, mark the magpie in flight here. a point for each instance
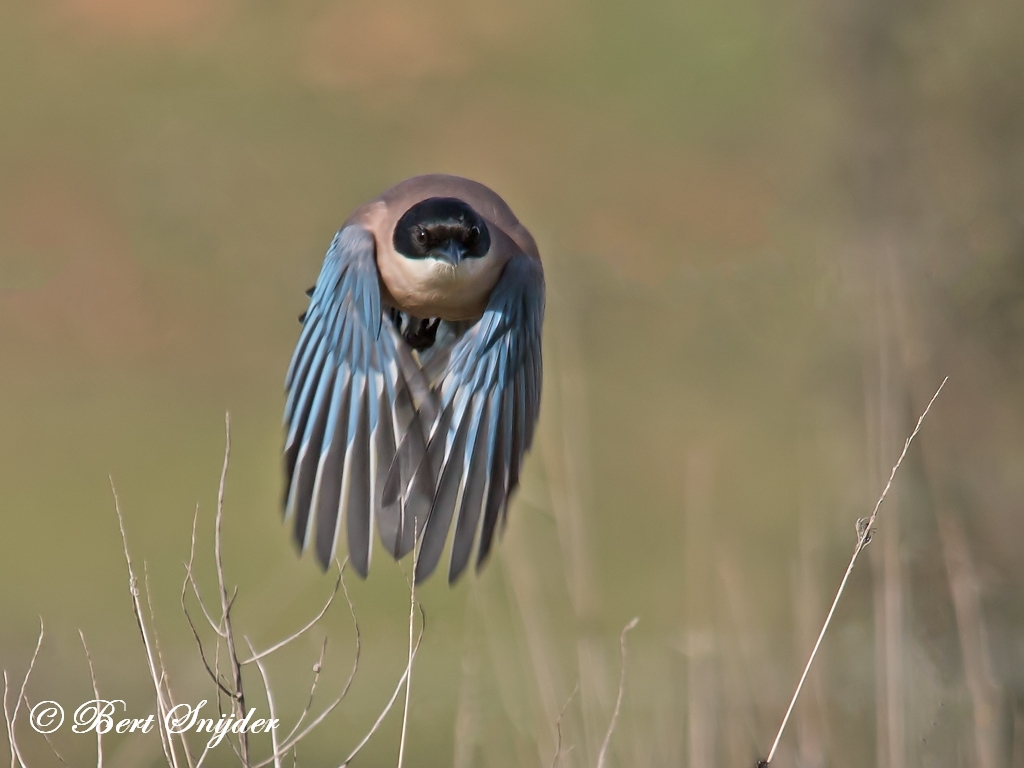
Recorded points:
(414, 388)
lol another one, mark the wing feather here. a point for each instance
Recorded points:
(495, 356)
(332, 460)
(473, 496)
(375, 439)
(308, 459)
(340, 412)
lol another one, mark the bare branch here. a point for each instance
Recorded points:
(558, 725)
(301, 632)
(152, 621)
(351, 675)
(28, 673)
(12, 719)
(317, 668)
(864, 532)
(238, 698)
(355, 626)
(394, 696)
(162, 708)
(11, 740)
(618, 699)
(270, 699)
(190, 578)
(292, 740)
(215, 676)
(164, 677)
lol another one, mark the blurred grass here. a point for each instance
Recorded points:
(768, 233)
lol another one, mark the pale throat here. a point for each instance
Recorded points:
(434, 288)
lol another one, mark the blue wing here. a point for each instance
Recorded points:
(353, 394)
(488, 402)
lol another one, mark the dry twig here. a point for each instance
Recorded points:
(558, 725)
(312, 623)
(224, 630)
(96, 693)
(319, 666)
(270, 701)
(238, 695)
(394, 696)
(412, 623)
(12, 719)
(618, 699)
(190, 578)
(865, 529)
(317, 669)
(292, 740)
(162, 706)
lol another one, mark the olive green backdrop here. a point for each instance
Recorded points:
(769, 230)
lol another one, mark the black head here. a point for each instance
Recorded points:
(443, 228)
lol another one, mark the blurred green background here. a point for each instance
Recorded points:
(769, 232)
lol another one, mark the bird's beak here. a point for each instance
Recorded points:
(450, 252)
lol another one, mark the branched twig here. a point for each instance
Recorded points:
(394, 696)
(292, 740)
(618, 699)
(214, 675)
(15, 757)
(164, 677)
(238, 697)
(352, 675)
(190, 579)
(28, 673)
(169, 752)
(156, 635)
(864, 530)
(270, 699)
(12, 719)
(317, 669)
(558, 725)
(224, 630)
(301, 632)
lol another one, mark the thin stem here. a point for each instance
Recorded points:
(170, 755)
(317, 669)
(12, 719)
(412, 622)
(618, 699)
(312, 623)
(190, 578)
(270, 701)
(96, 693)
(238, 703)
(394, 696)
(558, 725)
(864, 536)
(291, 740)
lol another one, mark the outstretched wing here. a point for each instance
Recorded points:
(489, 398)
(349, 403)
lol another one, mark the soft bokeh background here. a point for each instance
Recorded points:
(770, 230)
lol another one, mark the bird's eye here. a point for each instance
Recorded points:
(474, 236)
(419, 235)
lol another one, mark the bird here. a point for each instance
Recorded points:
(414, 388)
